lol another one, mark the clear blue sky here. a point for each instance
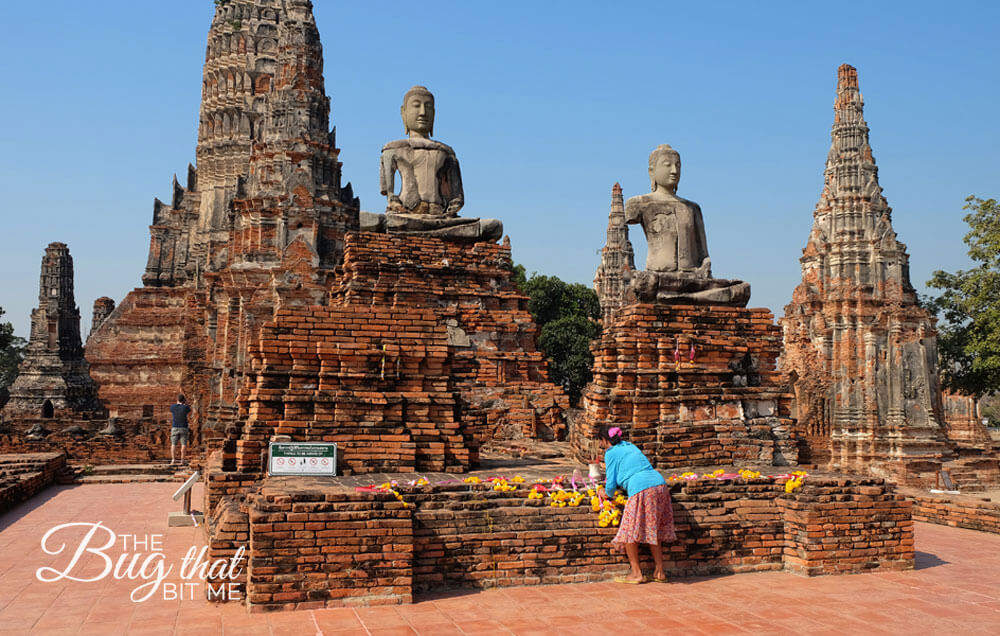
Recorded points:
(547, 104)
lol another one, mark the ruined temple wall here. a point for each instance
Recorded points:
(137, 355)
(690, 386)
(316, 543)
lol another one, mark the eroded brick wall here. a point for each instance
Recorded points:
(137, 441)
(691, 386)
(23, 476)
(315, 542)
(955, 510)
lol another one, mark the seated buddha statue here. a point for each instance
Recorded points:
(678, 269)
(430, 193)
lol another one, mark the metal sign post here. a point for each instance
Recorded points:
(187, 517)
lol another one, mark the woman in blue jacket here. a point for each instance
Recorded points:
(648, 516)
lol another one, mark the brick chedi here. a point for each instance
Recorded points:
(861, 352)
(617, 260)
(53, 380)
(260, 222)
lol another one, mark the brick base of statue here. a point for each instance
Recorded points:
(425, 350)
(691, 386)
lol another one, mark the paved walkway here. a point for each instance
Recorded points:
(955, 590)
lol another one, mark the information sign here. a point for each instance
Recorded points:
(303, 458)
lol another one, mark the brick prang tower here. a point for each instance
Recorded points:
(267, 166)
(53, 380)
(617, 260)
(861, 352)
(259, 224)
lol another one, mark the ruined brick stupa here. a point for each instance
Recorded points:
(861, 352)
(53, 382)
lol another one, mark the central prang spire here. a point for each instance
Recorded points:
(264, 145)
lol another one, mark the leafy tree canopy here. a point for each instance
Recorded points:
(969, 307)
(568, 315)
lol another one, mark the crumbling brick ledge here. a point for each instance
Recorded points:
(957, 511)
(24, 475)
(317, 542)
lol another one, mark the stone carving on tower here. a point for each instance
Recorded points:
(861, 352)
(617, 260)
(53, 380)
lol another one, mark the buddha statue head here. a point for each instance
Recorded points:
(418, 112)
(664, 169)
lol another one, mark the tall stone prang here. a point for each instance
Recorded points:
(53, 380)
(617, 260)
(259, 224)
(267, 166)
(860, 351)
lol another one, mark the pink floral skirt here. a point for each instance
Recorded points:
(648, 518)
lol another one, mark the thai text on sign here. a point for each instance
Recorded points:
(302, 458)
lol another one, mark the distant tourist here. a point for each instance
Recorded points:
(179, 431)
(648, 516)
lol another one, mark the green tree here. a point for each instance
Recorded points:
(11, 354)
(969, 307)
(568, 315)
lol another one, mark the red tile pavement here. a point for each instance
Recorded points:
(955, 590)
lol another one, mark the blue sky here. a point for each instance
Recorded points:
(547, 104)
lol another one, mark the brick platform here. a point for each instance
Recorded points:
(25, 475)
(691, 385)
(974, 513)
(316, 542)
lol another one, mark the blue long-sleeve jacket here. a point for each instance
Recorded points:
(628, 468)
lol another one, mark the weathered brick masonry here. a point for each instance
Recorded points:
(316, 543)
(425, 351)
(24, 475)
(957, 511)
(691, 386)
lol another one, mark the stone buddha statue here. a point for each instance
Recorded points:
(678, 269)
(430, 193)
